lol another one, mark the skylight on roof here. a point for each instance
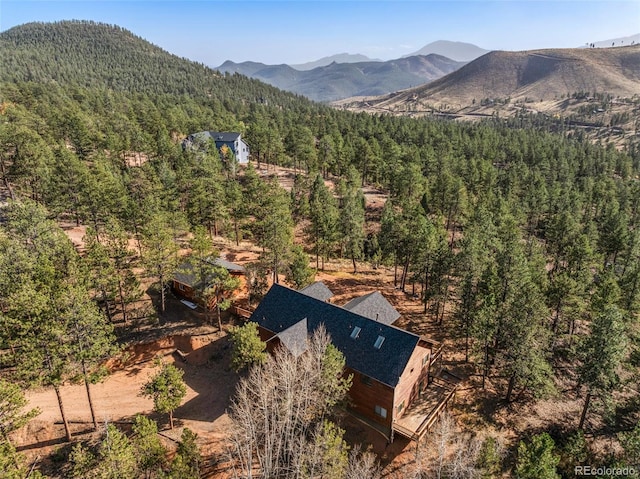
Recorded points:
(378, 343)
(355, 332)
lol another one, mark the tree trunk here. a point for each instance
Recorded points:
(424, 288)
(445, 298)
(556, 317)
(512, 383)
(317, 250)
(485, 369)
(162, 294)
(405, 272)
(88, 389)
(107, 308)
(219, 317)
(122, 302)
(466, 337)
(583, 416)
(395, 268)
(67, 431)
(171, 419)
(353, 259)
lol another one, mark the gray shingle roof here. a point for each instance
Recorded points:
(282, 308)
(373, 306)
(294, 338)
(224, 136)
(184, 273)
(232, 267)
(318, 290)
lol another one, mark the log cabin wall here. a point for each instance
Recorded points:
(371, 398)
(185, 291)
(414, 377)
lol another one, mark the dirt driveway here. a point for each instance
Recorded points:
(210, 384)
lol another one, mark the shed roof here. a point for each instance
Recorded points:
(373, 306)
(282, 308)
(318, 290)
(184, 273)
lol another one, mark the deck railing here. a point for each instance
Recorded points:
(241, 312)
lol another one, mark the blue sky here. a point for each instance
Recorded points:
(297, 31)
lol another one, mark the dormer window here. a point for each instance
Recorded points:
(356, 332)
(378, 343)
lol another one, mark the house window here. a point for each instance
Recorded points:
(378, 343)
(425, 360)
(366, 380)
(401, 406)
(355, 332)
(181, 286)
(382, 412)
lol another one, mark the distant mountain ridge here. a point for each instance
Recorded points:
(342, 80)
(338, 58)
(528, 76)
(458, 51)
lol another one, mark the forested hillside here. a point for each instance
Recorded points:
(93, 55)
(524, 245)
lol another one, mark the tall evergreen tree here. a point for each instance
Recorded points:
(324, 220)
(602, 352)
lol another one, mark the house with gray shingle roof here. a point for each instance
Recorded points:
(390, 366)
(373, 306)
(231, 140)
(318, 290)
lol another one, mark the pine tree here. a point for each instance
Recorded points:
(150, 453)
(161, 253)
(276, 228)
(602, 353)
(167, 389)
(248, 349)
(186, 464)
(116, 456)
(537, 459)
(299, 274)
(92, 339)
(352, 225)
(12, 415)
(324, 220)
(38, 262)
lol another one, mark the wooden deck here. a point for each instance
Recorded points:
(241, 312)
(425, 410)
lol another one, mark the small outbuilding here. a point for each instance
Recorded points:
(186, 285)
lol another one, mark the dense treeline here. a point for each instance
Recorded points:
(530, 239)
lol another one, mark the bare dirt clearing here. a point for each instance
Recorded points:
(210, 384)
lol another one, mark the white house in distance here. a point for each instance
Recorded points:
(231, 140)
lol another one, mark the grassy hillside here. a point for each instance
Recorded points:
(543, 74)
(533, 75)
